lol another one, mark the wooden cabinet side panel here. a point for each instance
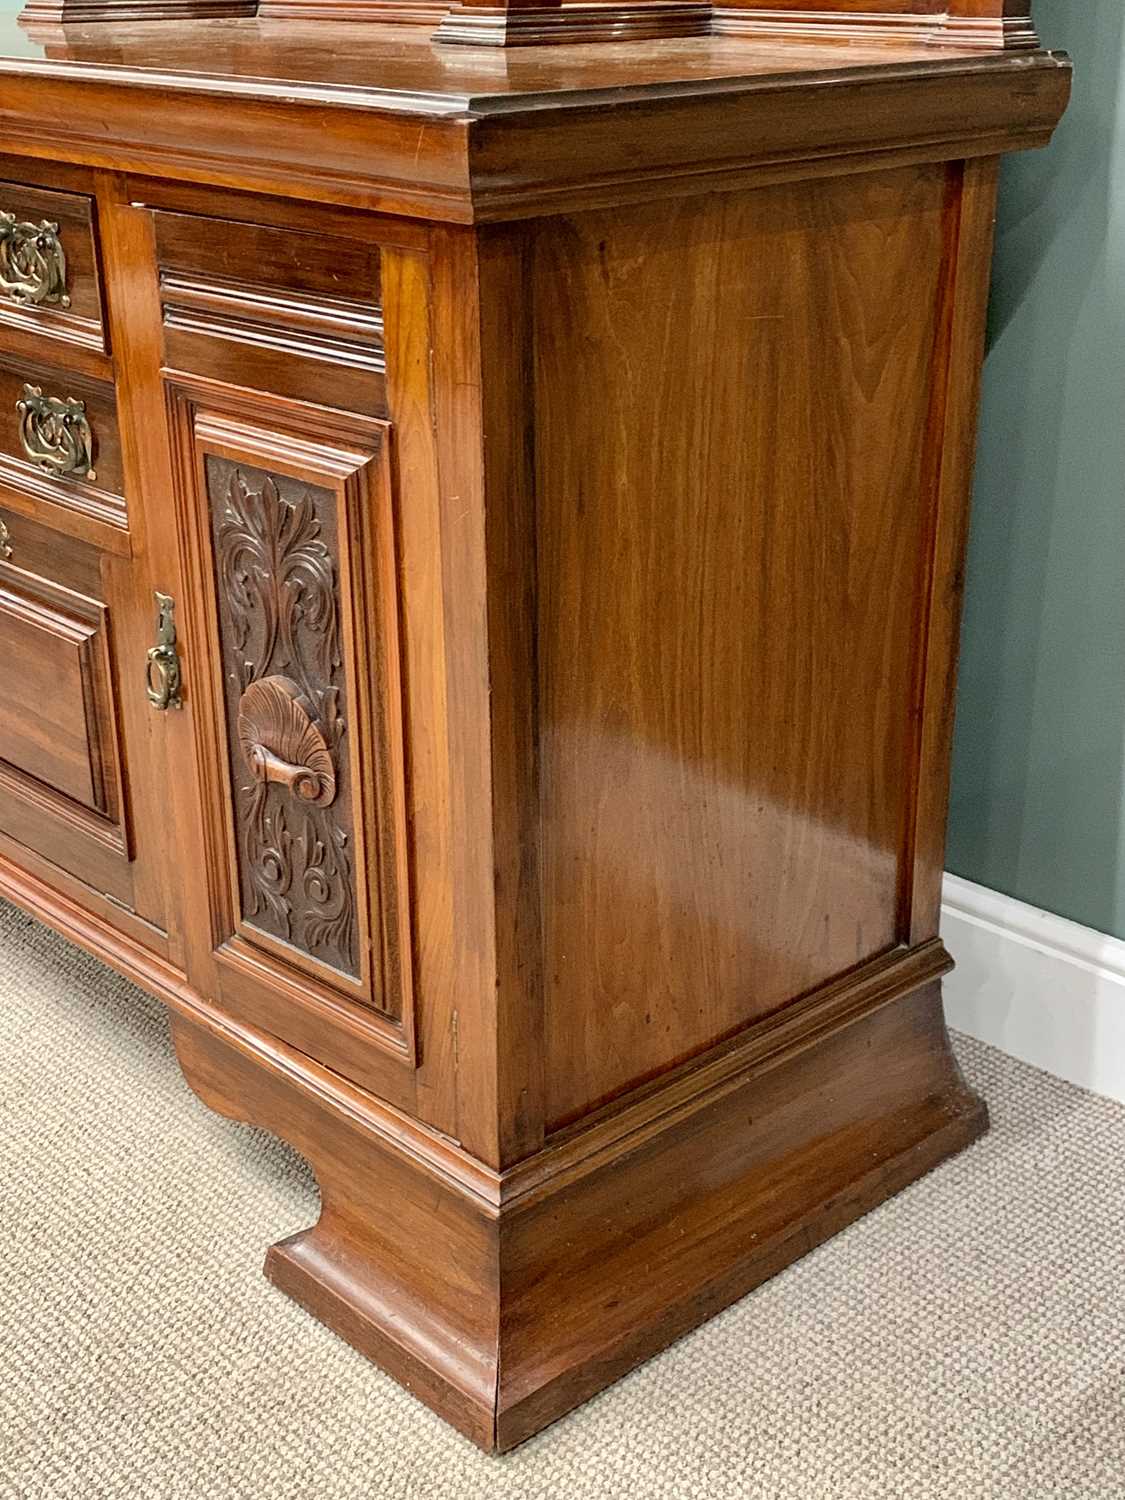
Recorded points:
(482, 351)
(737, 443)
(967, 311)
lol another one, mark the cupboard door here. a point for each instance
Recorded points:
(56, 713)
(291, 655)
(60, 763)
(68, 808)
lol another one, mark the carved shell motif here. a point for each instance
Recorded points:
(282, 742)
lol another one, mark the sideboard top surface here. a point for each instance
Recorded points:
(378, 117)
(383, 66)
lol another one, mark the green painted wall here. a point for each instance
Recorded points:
(1038, 801)
(16, 42)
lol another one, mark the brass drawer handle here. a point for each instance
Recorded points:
(282, 742)
(5, 543)
(55, 434)
(32, 263)
(163, 677)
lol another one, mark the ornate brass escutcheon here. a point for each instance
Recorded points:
(5, 543)
(55, 434)
(282, 742)
(163, 677)
(32, 263)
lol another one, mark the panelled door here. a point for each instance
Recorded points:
(288, 630)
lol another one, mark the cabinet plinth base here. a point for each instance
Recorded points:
(505, 1299)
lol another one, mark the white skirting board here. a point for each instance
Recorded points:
(1043, 989)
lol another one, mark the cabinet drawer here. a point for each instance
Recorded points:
(49, 264)
(278, 310)
(60, 762)
(59, 438)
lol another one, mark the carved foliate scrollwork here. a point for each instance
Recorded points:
(275, 541)
(32, 263)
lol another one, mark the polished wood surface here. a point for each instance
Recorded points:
(383, 61)
(475, 135)
(56, 707)
(292, 313)
(53, 13)
(602, 1261)
(60, 758)
(73, 564)
(305, 894)
(985, 24)
(76, 314)
(770, 790)
(544, 478)
(98, 490)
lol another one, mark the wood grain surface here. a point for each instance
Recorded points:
(556, 468)
(730, 603)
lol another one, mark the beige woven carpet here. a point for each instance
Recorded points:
(968, 1339)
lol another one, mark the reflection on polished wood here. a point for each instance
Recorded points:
(985, 24)
(559, 461)
(770, 789)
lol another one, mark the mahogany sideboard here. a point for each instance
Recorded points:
(481, 542)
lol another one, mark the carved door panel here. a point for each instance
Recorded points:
(290, 651)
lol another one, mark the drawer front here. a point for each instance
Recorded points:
(49, 265)
(60, 756)
(276, 310)
(59, 439)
